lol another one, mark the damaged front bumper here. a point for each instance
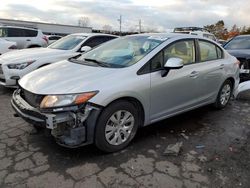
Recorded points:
(72, 128)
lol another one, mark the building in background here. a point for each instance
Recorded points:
(47, 28)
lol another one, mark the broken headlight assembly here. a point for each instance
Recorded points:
(57, 101)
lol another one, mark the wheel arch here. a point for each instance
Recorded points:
(231, 79)
(135, 102)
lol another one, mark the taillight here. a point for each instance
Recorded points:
(13, 47)
(46, 39)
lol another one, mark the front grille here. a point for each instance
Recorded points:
(31, 98)
(1, 69)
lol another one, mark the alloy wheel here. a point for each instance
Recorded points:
(225, 94)
(119, 127)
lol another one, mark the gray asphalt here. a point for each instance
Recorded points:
(215, 153)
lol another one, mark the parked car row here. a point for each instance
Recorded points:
(104, 95)
(16, 64)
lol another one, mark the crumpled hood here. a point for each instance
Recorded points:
(66, 77)
(244, 53)
(20, 56)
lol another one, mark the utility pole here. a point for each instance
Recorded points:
(139, 25)
(120, 22)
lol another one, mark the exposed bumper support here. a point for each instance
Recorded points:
(72, 128)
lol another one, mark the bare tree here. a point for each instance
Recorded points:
(132, 29)
(107, 28)
(84, 22)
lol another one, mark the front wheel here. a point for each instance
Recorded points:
(224, 95)
(117, 126)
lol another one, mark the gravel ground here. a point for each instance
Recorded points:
(214, 153)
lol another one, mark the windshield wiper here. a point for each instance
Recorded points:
(103, 64)
(74, 60)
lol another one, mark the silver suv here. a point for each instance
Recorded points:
(24, 37)
(105, 95)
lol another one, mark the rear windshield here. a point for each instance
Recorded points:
(67, 43)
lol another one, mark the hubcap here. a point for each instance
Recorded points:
(119, 127)
(225, 94)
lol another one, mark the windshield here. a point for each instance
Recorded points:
(123, 52)
(68, 42)
(238, 43)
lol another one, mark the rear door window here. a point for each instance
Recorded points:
(15, 32)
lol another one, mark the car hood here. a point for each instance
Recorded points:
(66, 77)
(244, 53)
(19, 56)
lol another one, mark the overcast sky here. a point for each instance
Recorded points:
(156, 14)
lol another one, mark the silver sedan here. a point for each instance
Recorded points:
(105, 95)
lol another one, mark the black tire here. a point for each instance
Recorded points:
(37, 127)
(219, 104)
(34, 46)
(100, 138)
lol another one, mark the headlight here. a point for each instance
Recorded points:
(20, 65)
(52, 101)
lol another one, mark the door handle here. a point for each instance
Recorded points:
(194, 74)
(221, 66)
(28, 40)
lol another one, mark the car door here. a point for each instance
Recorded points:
(178, 90)
(210, 68)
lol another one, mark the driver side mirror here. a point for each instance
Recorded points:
(172, 63)
(85, 49)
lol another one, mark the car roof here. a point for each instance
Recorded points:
(93, 34)
(169, 35)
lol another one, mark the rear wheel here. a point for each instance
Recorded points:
(224, 94)
(117, 126)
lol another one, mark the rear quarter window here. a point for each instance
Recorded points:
(30, 33)
(209, 51)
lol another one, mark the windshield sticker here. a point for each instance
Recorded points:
(158, 38)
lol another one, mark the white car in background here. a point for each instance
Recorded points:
(196, 31)
(24, 37)
(6, 46)
(15, 65)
